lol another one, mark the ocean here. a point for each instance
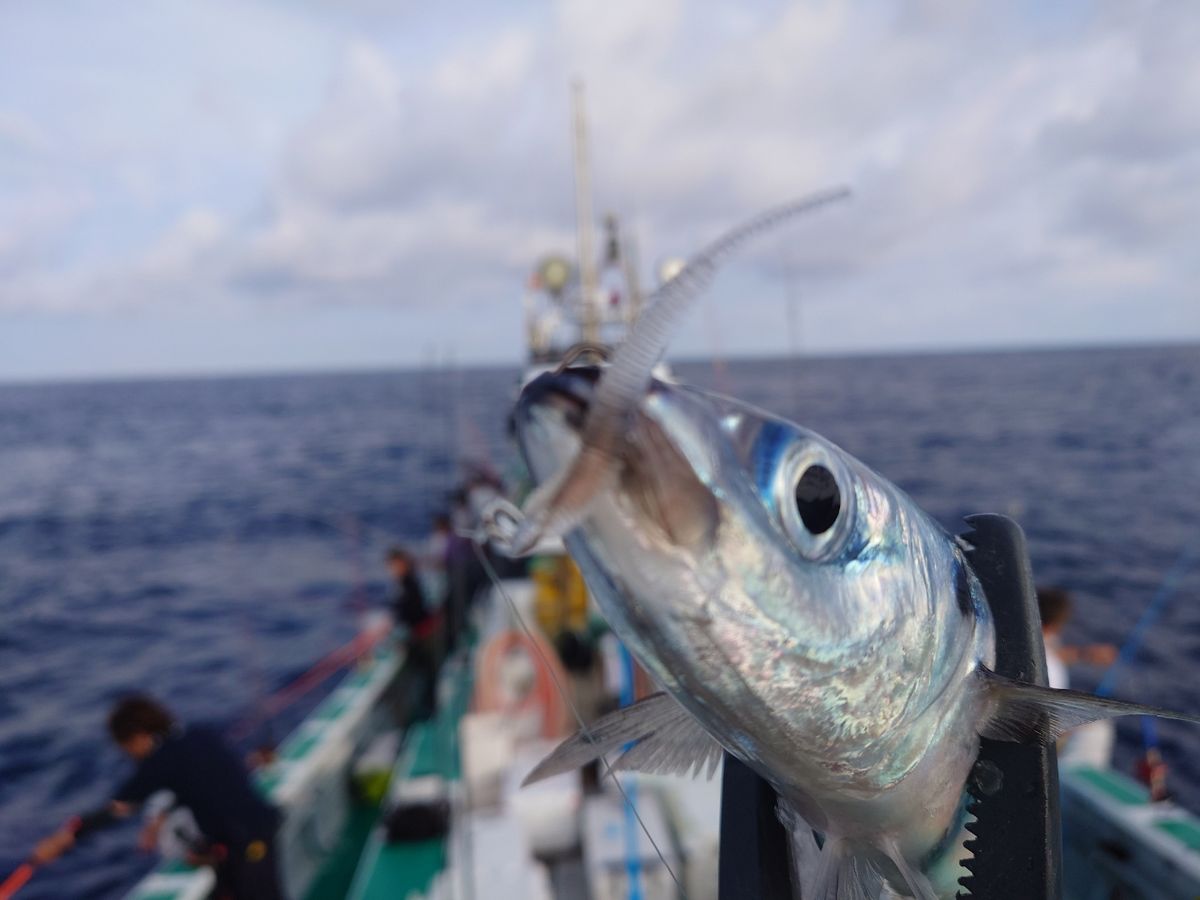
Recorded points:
(209, 539)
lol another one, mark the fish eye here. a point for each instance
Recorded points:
(818, 499)
(814, 500)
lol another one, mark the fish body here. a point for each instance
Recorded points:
(837, 664)
(806, 614)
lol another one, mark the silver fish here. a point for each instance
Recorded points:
(800, 612)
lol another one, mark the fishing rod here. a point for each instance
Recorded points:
(1152, 769)
(334, 661)
(18, 879)
(21, 875)
(1154, 610)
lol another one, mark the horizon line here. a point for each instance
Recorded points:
(455, 366)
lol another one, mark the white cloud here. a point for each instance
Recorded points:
(1004, 162)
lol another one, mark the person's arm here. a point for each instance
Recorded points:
(131, 794)
(80, 826)
(1100, 654)
(99, 819)
(1093, 654)
(1069, 654)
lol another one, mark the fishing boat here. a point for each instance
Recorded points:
(436, 810)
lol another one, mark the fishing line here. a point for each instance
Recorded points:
(583, 728)
(1129, 650)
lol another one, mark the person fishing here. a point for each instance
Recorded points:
(1054, 606)
(411, 610)
(1091, 743)
(206, 777)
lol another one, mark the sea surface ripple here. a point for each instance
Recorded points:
(209, 539)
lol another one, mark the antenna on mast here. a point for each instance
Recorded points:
(583, 218)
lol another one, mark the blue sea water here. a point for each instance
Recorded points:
(209, 539)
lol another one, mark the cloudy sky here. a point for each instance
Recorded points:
(237, 186)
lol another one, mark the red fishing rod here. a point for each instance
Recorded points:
(341, 658)
(21, 875)
(17, 879)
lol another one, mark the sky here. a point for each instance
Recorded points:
(277, 186)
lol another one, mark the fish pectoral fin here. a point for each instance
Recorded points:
(666, 739)
(1027, 713)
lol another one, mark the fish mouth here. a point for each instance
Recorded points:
(655, 481)
(550, 414)
(569, 390)
(549, 418)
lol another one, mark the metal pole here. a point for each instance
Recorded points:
(629, 262)
(583, 218)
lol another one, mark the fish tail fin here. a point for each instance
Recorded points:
(1027, 713)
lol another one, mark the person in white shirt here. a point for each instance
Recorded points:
(1090, 744)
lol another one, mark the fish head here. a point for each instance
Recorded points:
(794, 600)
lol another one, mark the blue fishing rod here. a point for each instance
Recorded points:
(1153, 770)
(633, 856)
(1153, 612)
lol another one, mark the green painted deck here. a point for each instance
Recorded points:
(333, 707)
(401, 870)
(1185, 831)
(298, 747)
(394, 870)
(337, 874)
(1115, 785)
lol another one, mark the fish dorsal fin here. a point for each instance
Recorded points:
(666, 739)
(1027, 713)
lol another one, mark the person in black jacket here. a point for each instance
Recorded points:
(195, 765)
(422, 635)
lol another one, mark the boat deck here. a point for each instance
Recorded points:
(1115, 840)
(398, 869)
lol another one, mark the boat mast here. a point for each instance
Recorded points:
(629, 264)
(590, 325)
